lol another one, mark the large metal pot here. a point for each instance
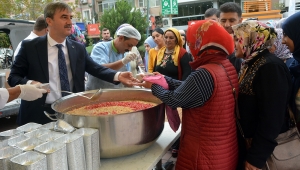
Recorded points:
(121, 134)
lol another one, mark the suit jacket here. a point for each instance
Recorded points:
(32, 64)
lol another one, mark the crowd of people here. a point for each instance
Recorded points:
(222, 70)
(243, 70)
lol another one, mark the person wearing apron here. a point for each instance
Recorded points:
(111, 55)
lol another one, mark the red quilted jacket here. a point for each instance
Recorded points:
(208, 136)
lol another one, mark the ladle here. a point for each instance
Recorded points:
(79, 94)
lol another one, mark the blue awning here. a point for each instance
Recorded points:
(81, 26)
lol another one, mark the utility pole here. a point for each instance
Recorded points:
(147, 29)
(94, 12)
(170, 16)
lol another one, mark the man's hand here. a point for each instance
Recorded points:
(127, 79)
(248, 166)
(129, 57)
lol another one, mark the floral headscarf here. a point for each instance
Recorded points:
(280, 22)
(76, 34)
(207, 39)
(282, 50)
(271, 23)
(254, 37)
(207, 33)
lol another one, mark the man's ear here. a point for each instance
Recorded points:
(121, 37)
(48, 21)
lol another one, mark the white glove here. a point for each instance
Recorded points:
(30, 92)
(129, 57)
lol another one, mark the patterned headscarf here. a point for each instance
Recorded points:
(282, 50)
(271, 23)
(280, 22)
(208, 41)
(207, 33)
(254, 37)
(76, 34)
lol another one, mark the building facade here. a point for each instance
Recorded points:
(188, 10)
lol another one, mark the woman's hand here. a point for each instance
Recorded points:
(156, 73)
(147, 84)
(248, 166)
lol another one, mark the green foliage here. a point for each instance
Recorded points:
(22, 9)
(280, 6)
(4, 40)
(89, 49)
(6, 8)
(74, 6)
(89, 41)
(113, 18)
(142, 50)
(90, 45)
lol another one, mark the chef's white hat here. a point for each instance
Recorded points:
(128, 31)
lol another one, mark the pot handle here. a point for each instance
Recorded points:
(50, 116)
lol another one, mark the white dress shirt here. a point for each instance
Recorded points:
(29, 37)
(54, 80)
(4, 95)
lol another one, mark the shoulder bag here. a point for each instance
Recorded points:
(286, 155)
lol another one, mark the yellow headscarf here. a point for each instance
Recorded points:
(160, 53)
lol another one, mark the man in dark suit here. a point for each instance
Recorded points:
(40, 61)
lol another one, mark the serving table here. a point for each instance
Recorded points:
(146, 159)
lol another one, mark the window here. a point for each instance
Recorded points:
(157, 3)
(141, 3)
(111, 5)
(100, 7)
(86, 15)
(152, 3)
(193, 9)
(105, 6)
(131, 2)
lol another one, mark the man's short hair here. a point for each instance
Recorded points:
(51, 8)
(105, 29)
(40, 23)
(230, 7)
(211, 12)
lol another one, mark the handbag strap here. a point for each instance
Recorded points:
(292, 118)
(236, 108)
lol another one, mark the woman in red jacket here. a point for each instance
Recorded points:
(208, 135)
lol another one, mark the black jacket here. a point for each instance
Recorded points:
(236, 62)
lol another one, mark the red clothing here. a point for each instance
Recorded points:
(208, 136)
